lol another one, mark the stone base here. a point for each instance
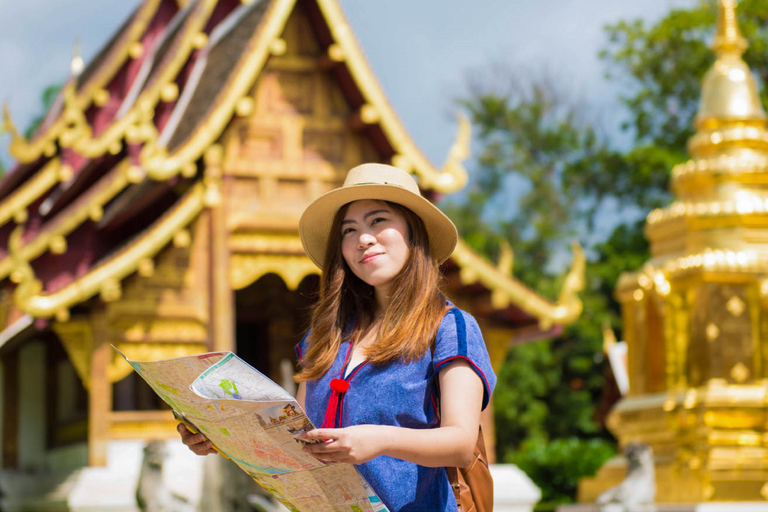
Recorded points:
(513, 491)
(723, 506)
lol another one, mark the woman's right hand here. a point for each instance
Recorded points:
(198, 443)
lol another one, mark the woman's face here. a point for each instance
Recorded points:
(374, 242)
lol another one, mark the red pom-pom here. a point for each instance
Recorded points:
(339, 385)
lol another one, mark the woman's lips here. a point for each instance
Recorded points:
(369, 257)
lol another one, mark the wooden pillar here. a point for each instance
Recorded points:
(222, 296)
(10, 411)
(99, 391)
(497, 341)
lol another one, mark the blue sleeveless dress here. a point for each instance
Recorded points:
(403, 395)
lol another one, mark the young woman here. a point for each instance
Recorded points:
(385, 344)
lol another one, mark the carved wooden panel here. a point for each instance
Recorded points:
(297, 142)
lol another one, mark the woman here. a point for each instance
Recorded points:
(384, 343)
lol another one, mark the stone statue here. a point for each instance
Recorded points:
(152, 495)
(637, 492)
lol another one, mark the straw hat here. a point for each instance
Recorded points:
(379, 182)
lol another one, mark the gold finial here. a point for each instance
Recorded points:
(609, 337)
(729, 95)
(77, 64)
(7, 124)
(728, 38)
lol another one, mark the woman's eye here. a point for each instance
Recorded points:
(346, 231)
(377, 220)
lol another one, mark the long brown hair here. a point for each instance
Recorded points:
(410, 321)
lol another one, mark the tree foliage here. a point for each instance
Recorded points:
(545, 175)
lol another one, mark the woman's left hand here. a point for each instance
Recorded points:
(356, 444)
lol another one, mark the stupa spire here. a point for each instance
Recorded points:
(728, 38)
(729, 95)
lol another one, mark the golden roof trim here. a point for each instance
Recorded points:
(15, 206)
(453, 176)
(72, 117)
(160, 165)
(67, 127)
(506, 290)
(107, 276)
(103, 192)
(136, 125)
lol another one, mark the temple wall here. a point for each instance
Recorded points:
(32, 410)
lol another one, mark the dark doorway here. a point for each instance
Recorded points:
(271, 319)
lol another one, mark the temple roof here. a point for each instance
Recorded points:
(133, 135)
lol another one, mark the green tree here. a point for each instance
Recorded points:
(539, 146)
(535, 145)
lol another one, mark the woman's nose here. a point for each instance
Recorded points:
(366, 240)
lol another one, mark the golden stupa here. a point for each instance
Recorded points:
(695, 317)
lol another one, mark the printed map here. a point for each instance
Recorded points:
(258, 425)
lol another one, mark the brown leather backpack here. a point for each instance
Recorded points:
(472, 485)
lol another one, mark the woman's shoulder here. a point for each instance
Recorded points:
(455, 320)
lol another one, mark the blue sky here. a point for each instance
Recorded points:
(422, 52)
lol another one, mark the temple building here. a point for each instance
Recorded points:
(695, 316)
(156, 210)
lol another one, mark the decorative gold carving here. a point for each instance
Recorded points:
(292, 269)
(712, 332)
(740, 373)
(160, 330)
(77, 338)
(199, 40)
(735, 306)
(244, 107)
(609, 338)
(278, 47)
(169, 92)
(506, 290)
(136, 50)
(764, 490)
(100, 97)
(146, 267)
(265, 243)
(28, 296)
(182, 238)
(58, 244)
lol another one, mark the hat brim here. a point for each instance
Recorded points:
(317, 220)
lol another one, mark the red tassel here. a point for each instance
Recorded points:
(338, 388)
(339, 385)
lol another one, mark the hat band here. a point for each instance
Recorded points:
(379, 183)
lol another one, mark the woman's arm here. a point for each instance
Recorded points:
(453, 444)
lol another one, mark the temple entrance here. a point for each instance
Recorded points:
(270, 320)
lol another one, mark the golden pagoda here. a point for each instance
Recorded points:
(695, 317)
(156, 209)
